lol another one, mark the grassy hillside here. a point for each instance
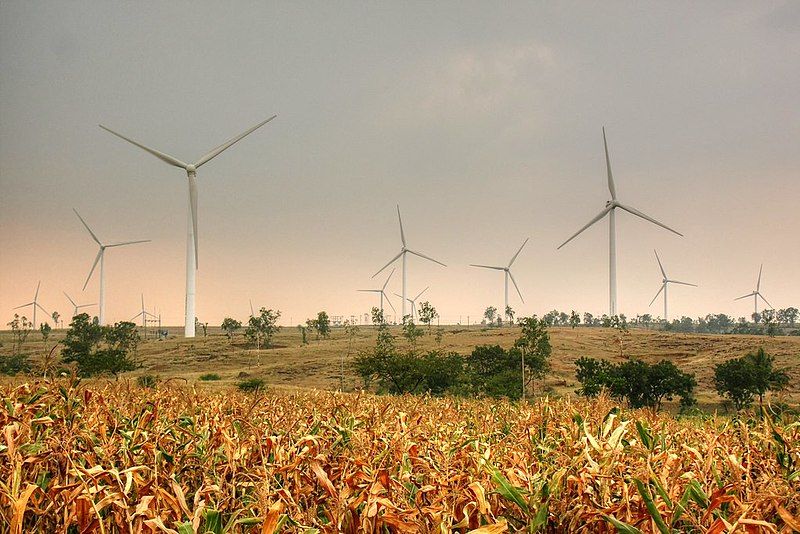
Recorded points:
(319, 363)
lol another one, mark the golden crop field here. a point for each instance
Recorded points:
(110, 457)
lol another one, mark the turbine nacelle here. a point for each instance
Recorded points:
(191, 169)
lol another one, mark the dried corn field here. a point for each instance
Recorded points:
(115, 458)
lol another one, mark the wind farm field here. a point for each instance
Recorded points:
(321, 364)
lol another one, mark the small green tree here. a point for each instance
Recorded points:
(230, 326)
(489, 314)
(411, 332)
(535, 350)
(378, 316)
(323, 324)
(20, 329)
(99, 349)
(261, 328)
(45, 330)
(303, 333)
(574, 319)
(55, 315)
(510, 314)
(741, 380)
(427, 313)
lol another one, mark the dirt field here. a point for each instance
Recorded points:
(319, 363)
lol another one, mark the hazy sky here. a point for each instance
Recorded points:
(481, 119)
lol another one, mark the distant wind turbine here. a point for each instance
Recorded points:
(34, 304)
(382, 292)
(144, 314)
(101, 258)
(506, 275)
(610, 210)
(75, 307)
(414, 302)
(191, 237)
(664, 283)
(756, 294)
(403, 251)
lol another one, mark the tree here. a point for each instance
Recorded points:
(55, 315)
(790, 315)
(427, 313)
(490, 314)
(377, 316)
(45, 329)
(230, 326)
(743, 379)
(535, 349)
(494, 371)
(641, 384)
(262, 327)
(323, 324)
(99, 349)
(574, 319)
(510, 314)
(588, 319)
(411, 332)
(20, 329)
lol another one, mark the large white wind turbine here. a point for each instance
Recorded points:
(101, 258)
(664, 283)
(75, 307)
(414, 302)
(191, 237)
(403, 251)
(610, 210)
(756, 293)
(382, 291)
(144, 314)
(34, 304)
(506, 274)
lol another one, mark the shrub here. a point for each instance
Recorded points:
(100, 349)
(743, 379)
(251, 385)
(208, 377)
(147, 381)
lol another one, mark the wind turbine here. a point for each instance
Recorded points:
(34, 304)
(144, 314)
(756, 293)
(610, 210)
(191, 236)
(414, 302)
(506, 274)
(382, 291)
(75, 307)
(664, 283)
(403, 251)
(101, 258)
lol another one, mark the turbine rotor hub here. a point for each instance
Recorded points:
(191, 169)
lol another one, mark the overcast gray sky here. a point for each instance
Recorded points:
(482, 120)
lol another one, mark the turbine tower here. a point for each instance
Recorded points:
(34, 304)
(101, 258)
(404, 250)
(191, 236)
(666, 281)
(382, 291)
(414, 302)
(506, 274)
(756, 293)
(75, 307)
(610, 210)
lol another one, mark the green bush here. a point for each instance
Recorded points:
(741, 380)
(147, 381)
(208, 377)
(251, 385)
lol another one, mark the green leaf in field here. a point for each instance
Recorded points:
(644, 491)
(644, 435)
(213, 521)
(186, 528)
(509, 491)
(622, 527)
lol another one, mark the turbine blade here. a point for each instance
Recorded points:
(69, 298)
(657, 294)
(611, 187)
(128, 243)
(681, 283)
(23, 306)
(369, 290)
(252, 313)
(36, 295)
(745, 296)
(387, 279)
(96, 259)
(759, 294)
(160, 155)
(402, 234)
(388, 264)
(193, 207)
(421, 292)
(758, 285)
(389, 302)
(517, 254)
(87, 227)
(659, 264)
(638, 213)
(597, 218)
(48, 313)
(487, 267)
(136, 316)
(427, 257)
(516, 287)
(221, 148)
